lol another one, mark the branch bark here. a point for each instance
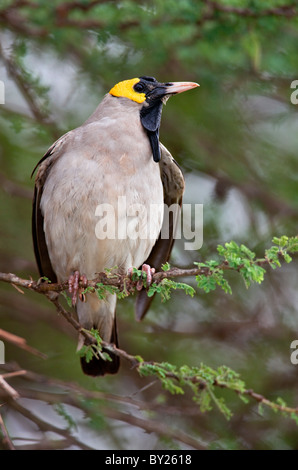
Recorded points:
(122, 281)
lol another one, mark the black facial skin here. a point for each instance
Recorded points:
(151, 111)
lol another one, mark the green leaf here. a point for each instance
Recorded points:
(165, 287)
(166, 267)
(67, 298)
(60, 409)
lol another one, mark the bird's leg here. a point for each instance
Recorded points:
(73, 286)
(149, 273)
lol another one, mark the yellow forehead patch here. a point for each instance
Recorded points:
(125, 90)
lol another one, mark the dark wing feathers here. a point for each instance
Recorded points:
(39, 241)
(173, 184)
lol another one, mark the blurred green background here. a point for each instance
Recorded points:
(236, 140)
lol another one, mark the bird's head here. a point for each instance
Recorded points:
(152, 95)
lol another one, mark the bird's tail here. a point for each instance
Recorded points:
(99, 314)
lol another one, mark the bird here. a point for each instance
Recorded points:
(114, 154)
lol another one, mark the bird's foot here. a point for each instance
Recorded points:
(73, 286)
(145, 281)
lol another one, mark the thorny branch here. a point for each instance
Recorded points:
(77, 396)
(135, 363)
(51, 291)
(20, 342)
(6, 441)
(122, 281)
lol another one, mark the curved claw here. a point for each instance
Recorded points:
(84, 280)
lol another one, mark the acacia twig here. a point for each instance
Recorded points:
(122, 281)
(136, 363)
(46, 426)
(74, 396)
(6, 441)
(10, 391)
(21, 343)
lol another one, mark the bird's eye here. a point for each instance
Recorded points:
(139, 87)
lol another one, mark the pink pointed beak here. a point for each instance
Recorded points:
(179, 87)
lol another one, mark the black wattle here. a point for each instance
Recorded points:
(150, 119)
(154, 142)
(151, 116)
